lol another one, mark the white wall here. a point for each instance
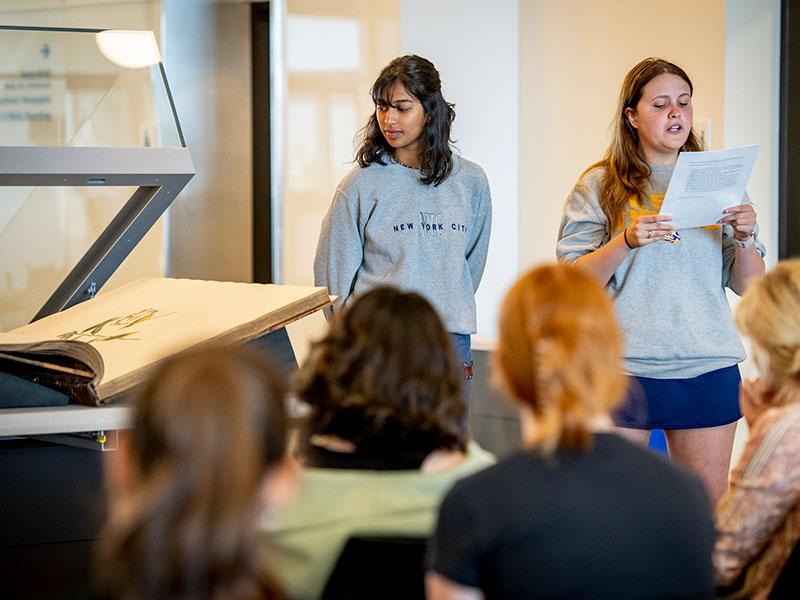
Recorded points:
(475, 46)
(752, 104)
(752, 101)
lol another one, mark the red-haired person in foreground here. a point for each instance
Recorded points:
(579, 512)
(205, 455)
(758, 519)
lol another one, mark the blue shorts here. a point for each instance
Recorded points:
(708, 400)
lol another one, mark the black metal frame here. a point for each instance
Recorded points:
(262, 211)
(789, 128)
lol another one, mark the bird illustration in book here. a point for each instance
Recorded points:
(115, 328)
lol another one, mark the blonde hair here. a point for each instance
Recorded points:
(626, 169)
(559, 354)
(769, 314)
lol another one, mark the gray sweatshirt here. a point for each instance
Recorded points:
(384, 227)
(669, 298)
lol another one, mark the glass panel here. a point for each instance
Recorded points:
(32, 266)
(83, 88)
(70, 88)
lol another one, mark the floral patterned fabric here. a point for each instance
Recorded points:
(758, 519)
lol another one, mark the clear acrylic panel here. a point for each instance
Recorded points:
(74, 88)
(65, 222)
(63, 87)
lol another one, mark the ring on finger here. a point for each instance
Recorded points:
(649, 234)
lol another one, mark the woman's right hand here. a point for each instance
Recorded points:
(648, 229)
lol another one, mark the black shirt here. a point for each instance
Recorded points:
(616, 521)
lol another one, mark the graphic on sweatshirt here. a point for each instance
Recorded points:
(432, 223)
(636, 209)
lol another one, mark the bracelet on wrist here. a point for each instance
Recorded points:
(625, 237)
(747, 242)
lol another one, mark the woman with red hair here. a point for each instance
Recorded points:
(579, 512)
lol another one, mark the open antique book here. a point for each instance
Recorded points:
(100, 348)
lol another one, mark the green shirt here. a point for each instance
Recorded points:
(304, 540)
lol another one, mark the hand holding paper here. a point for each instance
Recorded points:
(743, 220)
(648, 229)
(704, 184)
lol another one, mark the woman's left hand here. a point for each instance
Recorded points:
(743, 220)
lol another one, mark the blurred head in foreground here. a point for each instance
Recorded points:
(205, 454)
(559, 355)
(769, 315)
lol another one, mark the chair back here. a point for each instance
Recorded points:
(389, 568)
(788, 583)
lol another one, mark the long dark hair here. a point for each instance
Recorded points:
(386, 378)
(207, 427)
(421, 80)
(625, 166)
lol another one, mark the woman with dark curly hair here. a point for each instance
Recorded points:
(412, 213)
(205, 455)
(386, 437)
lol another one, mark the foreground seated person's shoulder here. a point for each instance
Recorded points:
(758, 519)
(205, 455)
(580, 512)
(386, 436)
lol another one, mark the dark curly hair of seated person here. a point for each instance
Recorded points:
(386, 379)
